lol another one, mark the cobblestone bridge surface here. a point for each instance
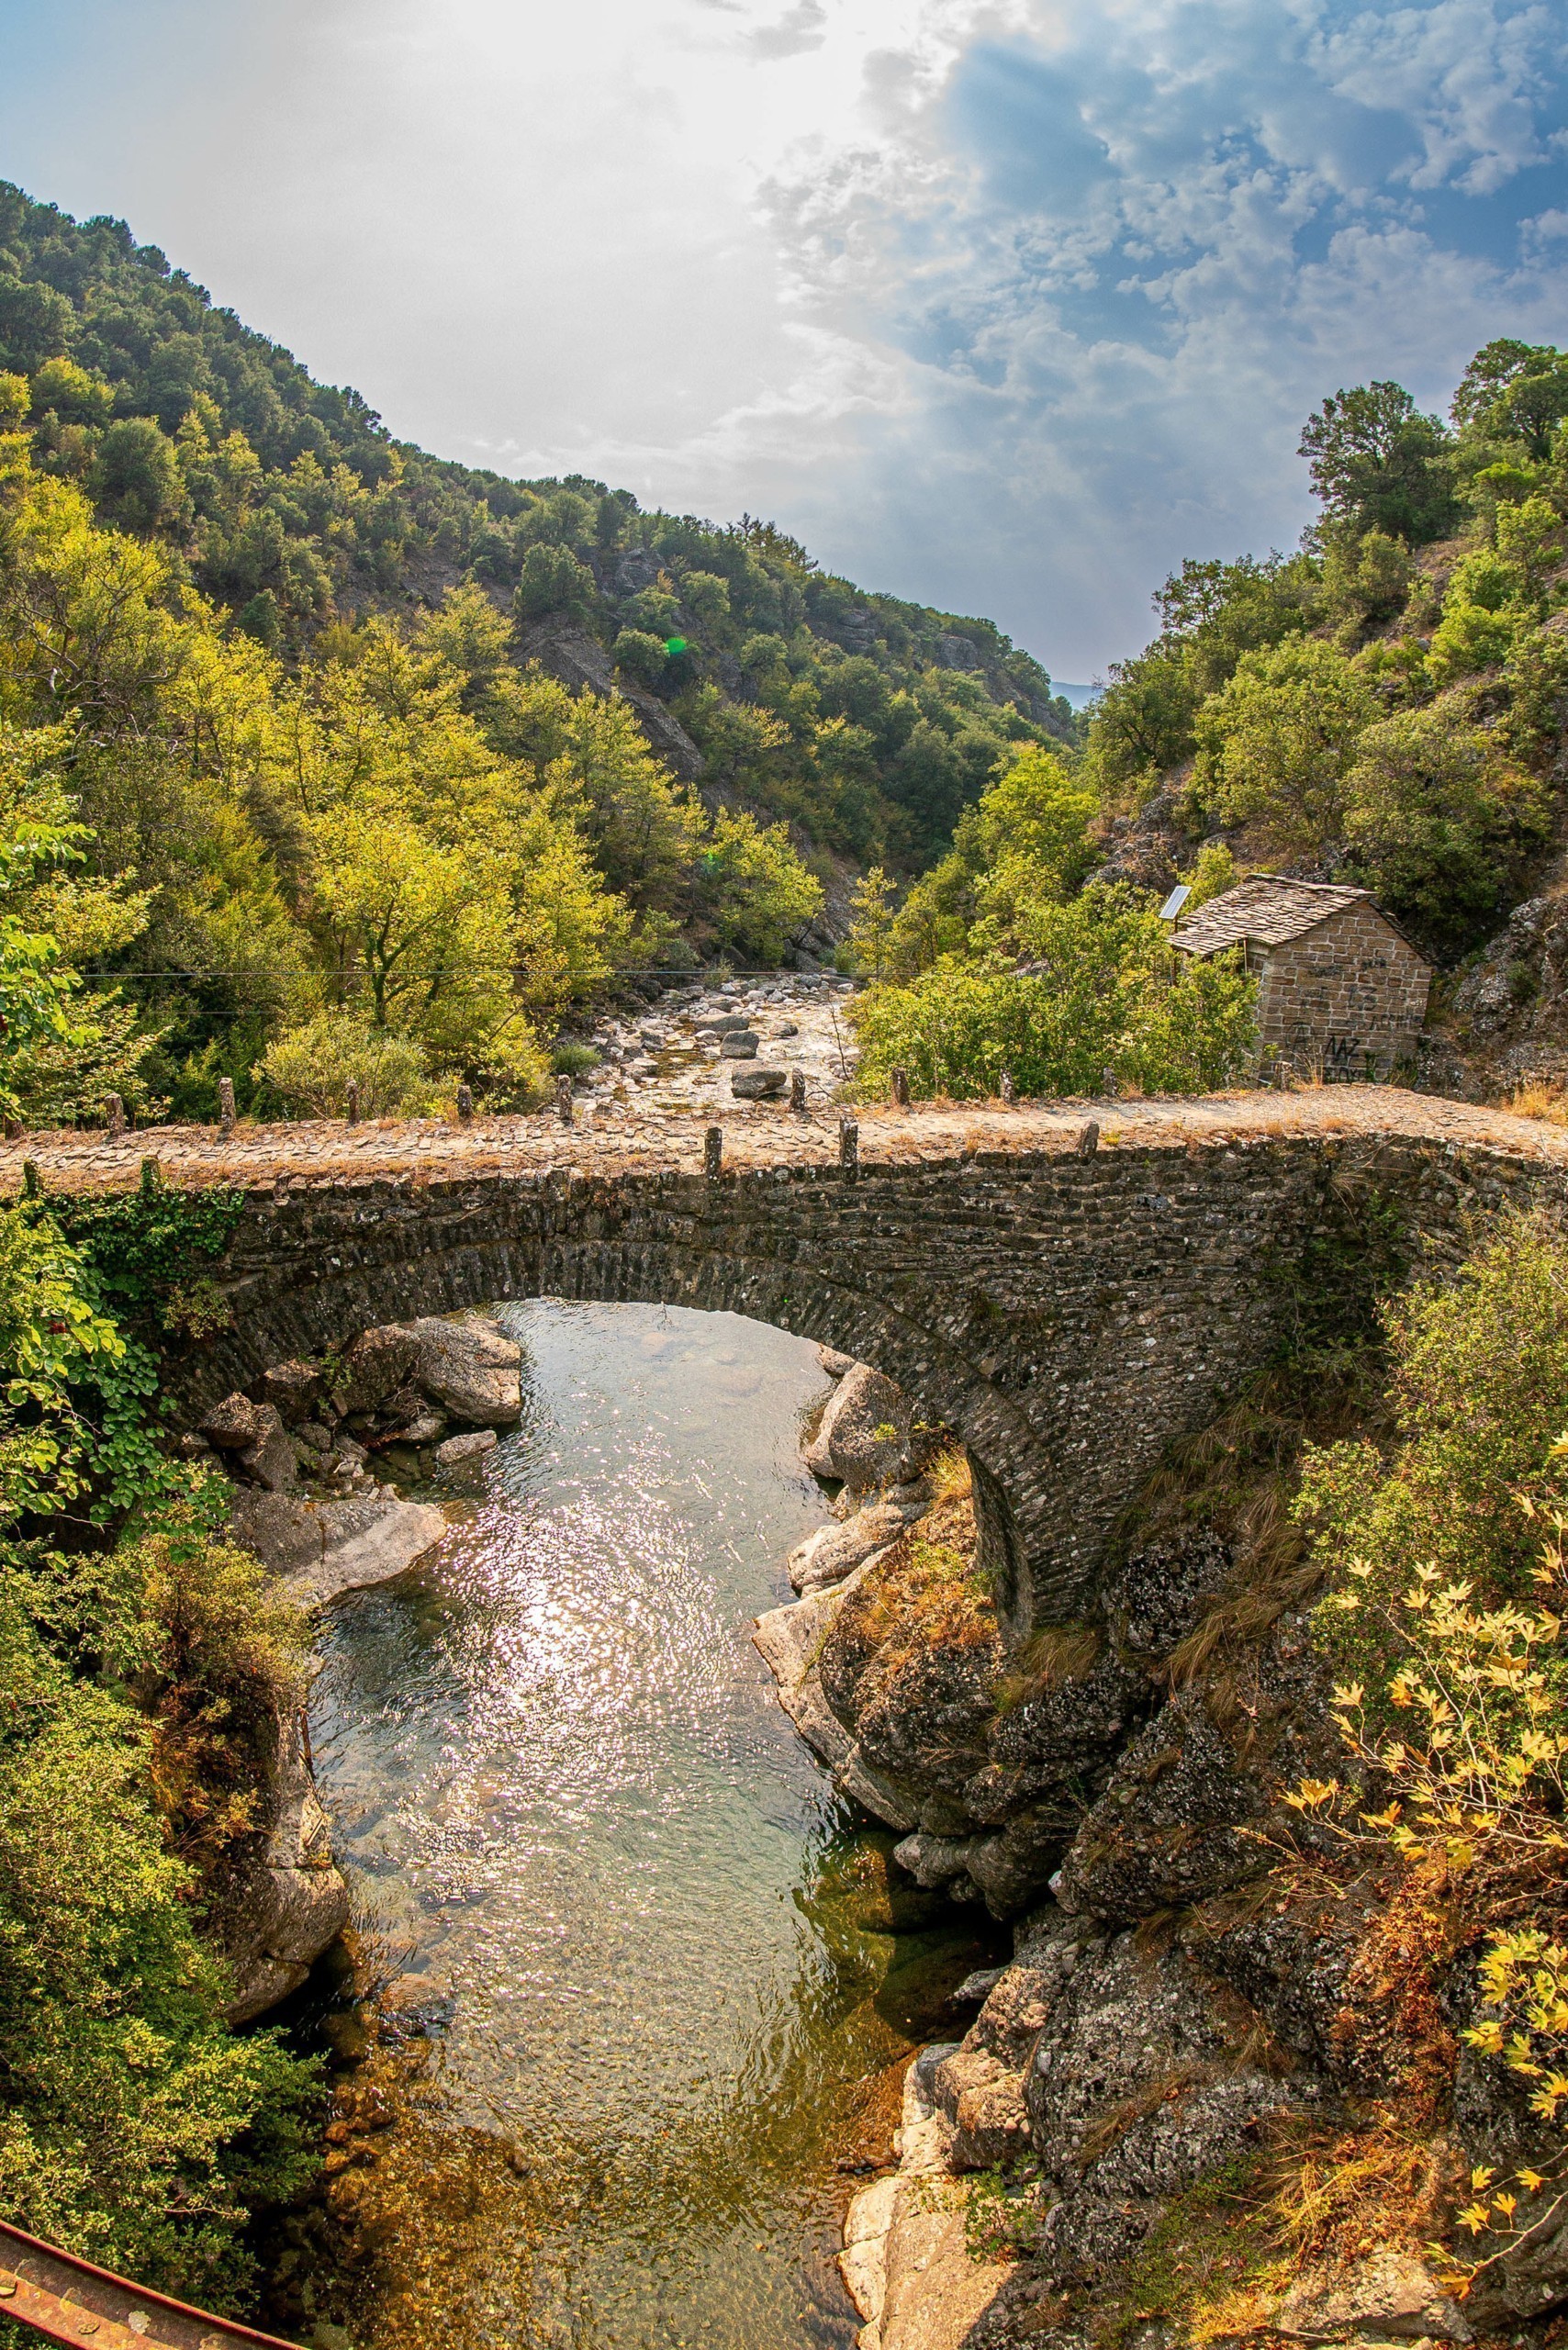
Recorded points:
(1072, 1285)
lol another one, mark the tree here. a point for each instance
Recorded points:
(1514, 391)
(428, 936)
(136, 477)
(641, 826)
(755, 887)
(1376, 463)
(553, 580)
(641, 656)
(871, 906)
(1275, 745)
(1441, 821)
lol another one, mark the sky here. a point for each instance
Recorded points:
(1005, 307)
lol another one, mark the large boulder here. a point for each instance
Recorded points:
(471, 1369)
(375, 1366)
(323, 1548)
(293, 1389)
(869, 1434)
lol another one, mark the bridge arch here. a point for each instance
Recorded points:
(1067, 1314)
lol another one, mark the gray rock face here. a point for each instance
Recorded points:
(1161, 1594)
(322, 1548)
(1136, 2091)
(254, 1439)
(933, 1860)
(868, 1435)
(378, 1362)
(289, 1902)
(470, 1447)
(1169, 1830)
(759, 1084)
(471, 1369)
(1060, 1736)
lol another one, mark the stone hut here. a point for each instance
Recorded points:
(1341, 989)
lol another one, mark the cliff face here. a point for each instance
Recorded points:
(1204, 2000)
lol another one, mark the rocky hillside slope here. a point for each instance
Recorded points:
(1222, 2091)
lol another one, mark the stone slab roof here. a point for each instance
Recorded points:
(1270, 908)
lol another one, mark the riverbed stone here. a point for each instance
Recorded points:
(472, 1445)
(759, 1084)
(377, 1362)
(739, 1045)
(323, 1548)
(470, 1368)
(832, 1552)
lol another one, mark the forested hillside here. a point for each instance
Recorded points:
(1388, 705)
(871, 721)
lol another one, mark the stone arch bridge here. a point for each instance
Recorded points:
(1071, 1286)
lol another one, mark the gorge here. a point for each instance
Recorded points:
(992, 1649)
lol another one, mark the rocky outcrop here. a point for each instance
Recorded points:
(470, 1368)
(323, 1549)
(288, 1901)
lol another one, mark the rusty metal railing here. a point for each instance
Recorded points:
(70, 2301)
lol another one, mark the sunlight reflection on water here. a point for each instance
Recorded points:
(566, 1796)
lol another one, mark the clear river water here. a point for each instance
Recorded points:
(659, 1984)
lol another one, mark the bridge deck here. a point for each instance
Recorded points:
(612, 1142)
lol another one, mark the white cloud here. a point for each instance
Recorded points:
(998, 303)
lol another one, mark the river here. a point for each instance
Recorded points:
(655, 2008)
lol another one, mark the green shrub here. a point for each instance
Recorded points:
(309, 1069)
(573, 1060)
(1107, 998)
(1479, 1395)
(639, 656)
(135, 2128)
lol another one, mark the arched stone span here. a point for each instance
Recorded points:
(1069, 1315)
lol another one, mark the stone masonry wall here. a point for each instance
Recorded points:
(1349, 989)
(1069, 1315)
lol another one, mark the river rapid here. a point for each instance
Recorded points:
(647, 1985)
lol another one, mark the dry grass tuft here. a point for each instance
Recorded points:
(1331, 2199)
(949, 1476)
(1062, 1653)
(1539, 1097)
